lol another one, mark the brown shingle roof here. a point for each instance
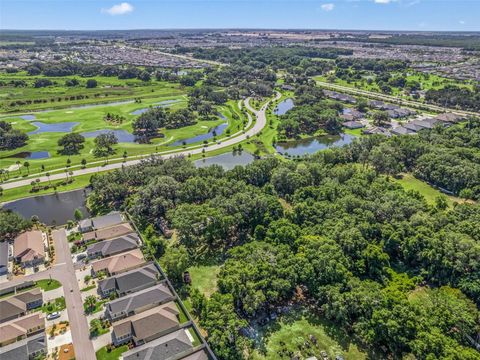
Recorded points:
(118, 263)
(29, 245)
(108, 233)
(21, 326)
(148, 323)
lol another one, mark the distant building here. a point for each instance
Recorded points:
(353, 125)
(29, 248)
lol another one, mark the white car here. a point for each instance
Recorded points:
(53, 315)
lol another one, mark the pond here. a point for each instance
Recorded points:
(215, 131)
(33, 155)
(164, 103)
(28, 117)
(284, 106)
(51, 209)
(312, 145)
(59, 127)
(228, 160)
(122, 135)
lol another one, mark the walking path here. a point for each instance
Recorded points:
(261, 121)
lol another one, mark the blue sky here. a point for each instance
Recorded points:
(445, 15)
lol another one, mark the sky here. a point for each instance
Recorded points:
(414, 15)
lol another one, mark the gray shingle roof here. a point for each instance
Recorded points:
(114, 246)
(3, 254)
(163, 348)
(134, 279)
(111, 219)
(22, 349)
(151, 296)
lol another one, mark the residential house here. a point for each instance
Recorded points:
(130, 281)
(146, 326)
(119, 263)
(113, 246)
(99, 222)
(29, 348)
(353, 125)
(29, 248)
(199, 355)
(138, 302)
(17, 305)
(21, 328)
(4, 256)
(449, 118)
(400, 130)
(167, 347)
(108, 233)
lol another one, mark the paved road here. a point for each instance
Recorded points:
(392, 99)
(261, 121)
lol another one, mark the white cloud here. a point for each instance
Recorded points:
(462, 22)
(119, 9)
(328, 7)
(383, 1)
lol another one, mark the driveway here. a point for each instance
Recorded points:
(102, 340)
(63, 317)
(59, 340)
(52, 294)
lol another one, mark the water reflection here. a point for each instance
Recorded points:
(312, 145)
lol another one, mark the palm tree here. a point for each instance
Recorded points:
(84, 163)
(19, 167)
(90, 302)
(48, 177)
(27, 165)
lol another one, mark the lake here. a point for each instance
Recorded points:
(122, 135)
(312, 145)
(284, 106)
(33, 155)
(51, 209)
(228, 160)
(59, 127)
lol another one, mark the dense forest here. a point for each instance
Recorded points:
(338, 237)
(455, 97)
(311, 114)
(448, 158)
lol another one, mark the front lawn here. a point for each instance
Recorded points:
(104, 354)
(56, 305)
(47, 284)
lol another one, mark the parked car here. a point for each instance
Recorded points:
(81, 256)
(53, 315)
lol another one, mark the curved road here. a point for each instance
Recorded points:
(261, 121)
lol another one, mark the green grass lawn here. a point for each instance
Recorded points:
(91, 119)
(88, 288)
(204, 278)
(103, 353)
(290, 334)
(57, 305)
(98, 307)
(409, 182)
(47, 284)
